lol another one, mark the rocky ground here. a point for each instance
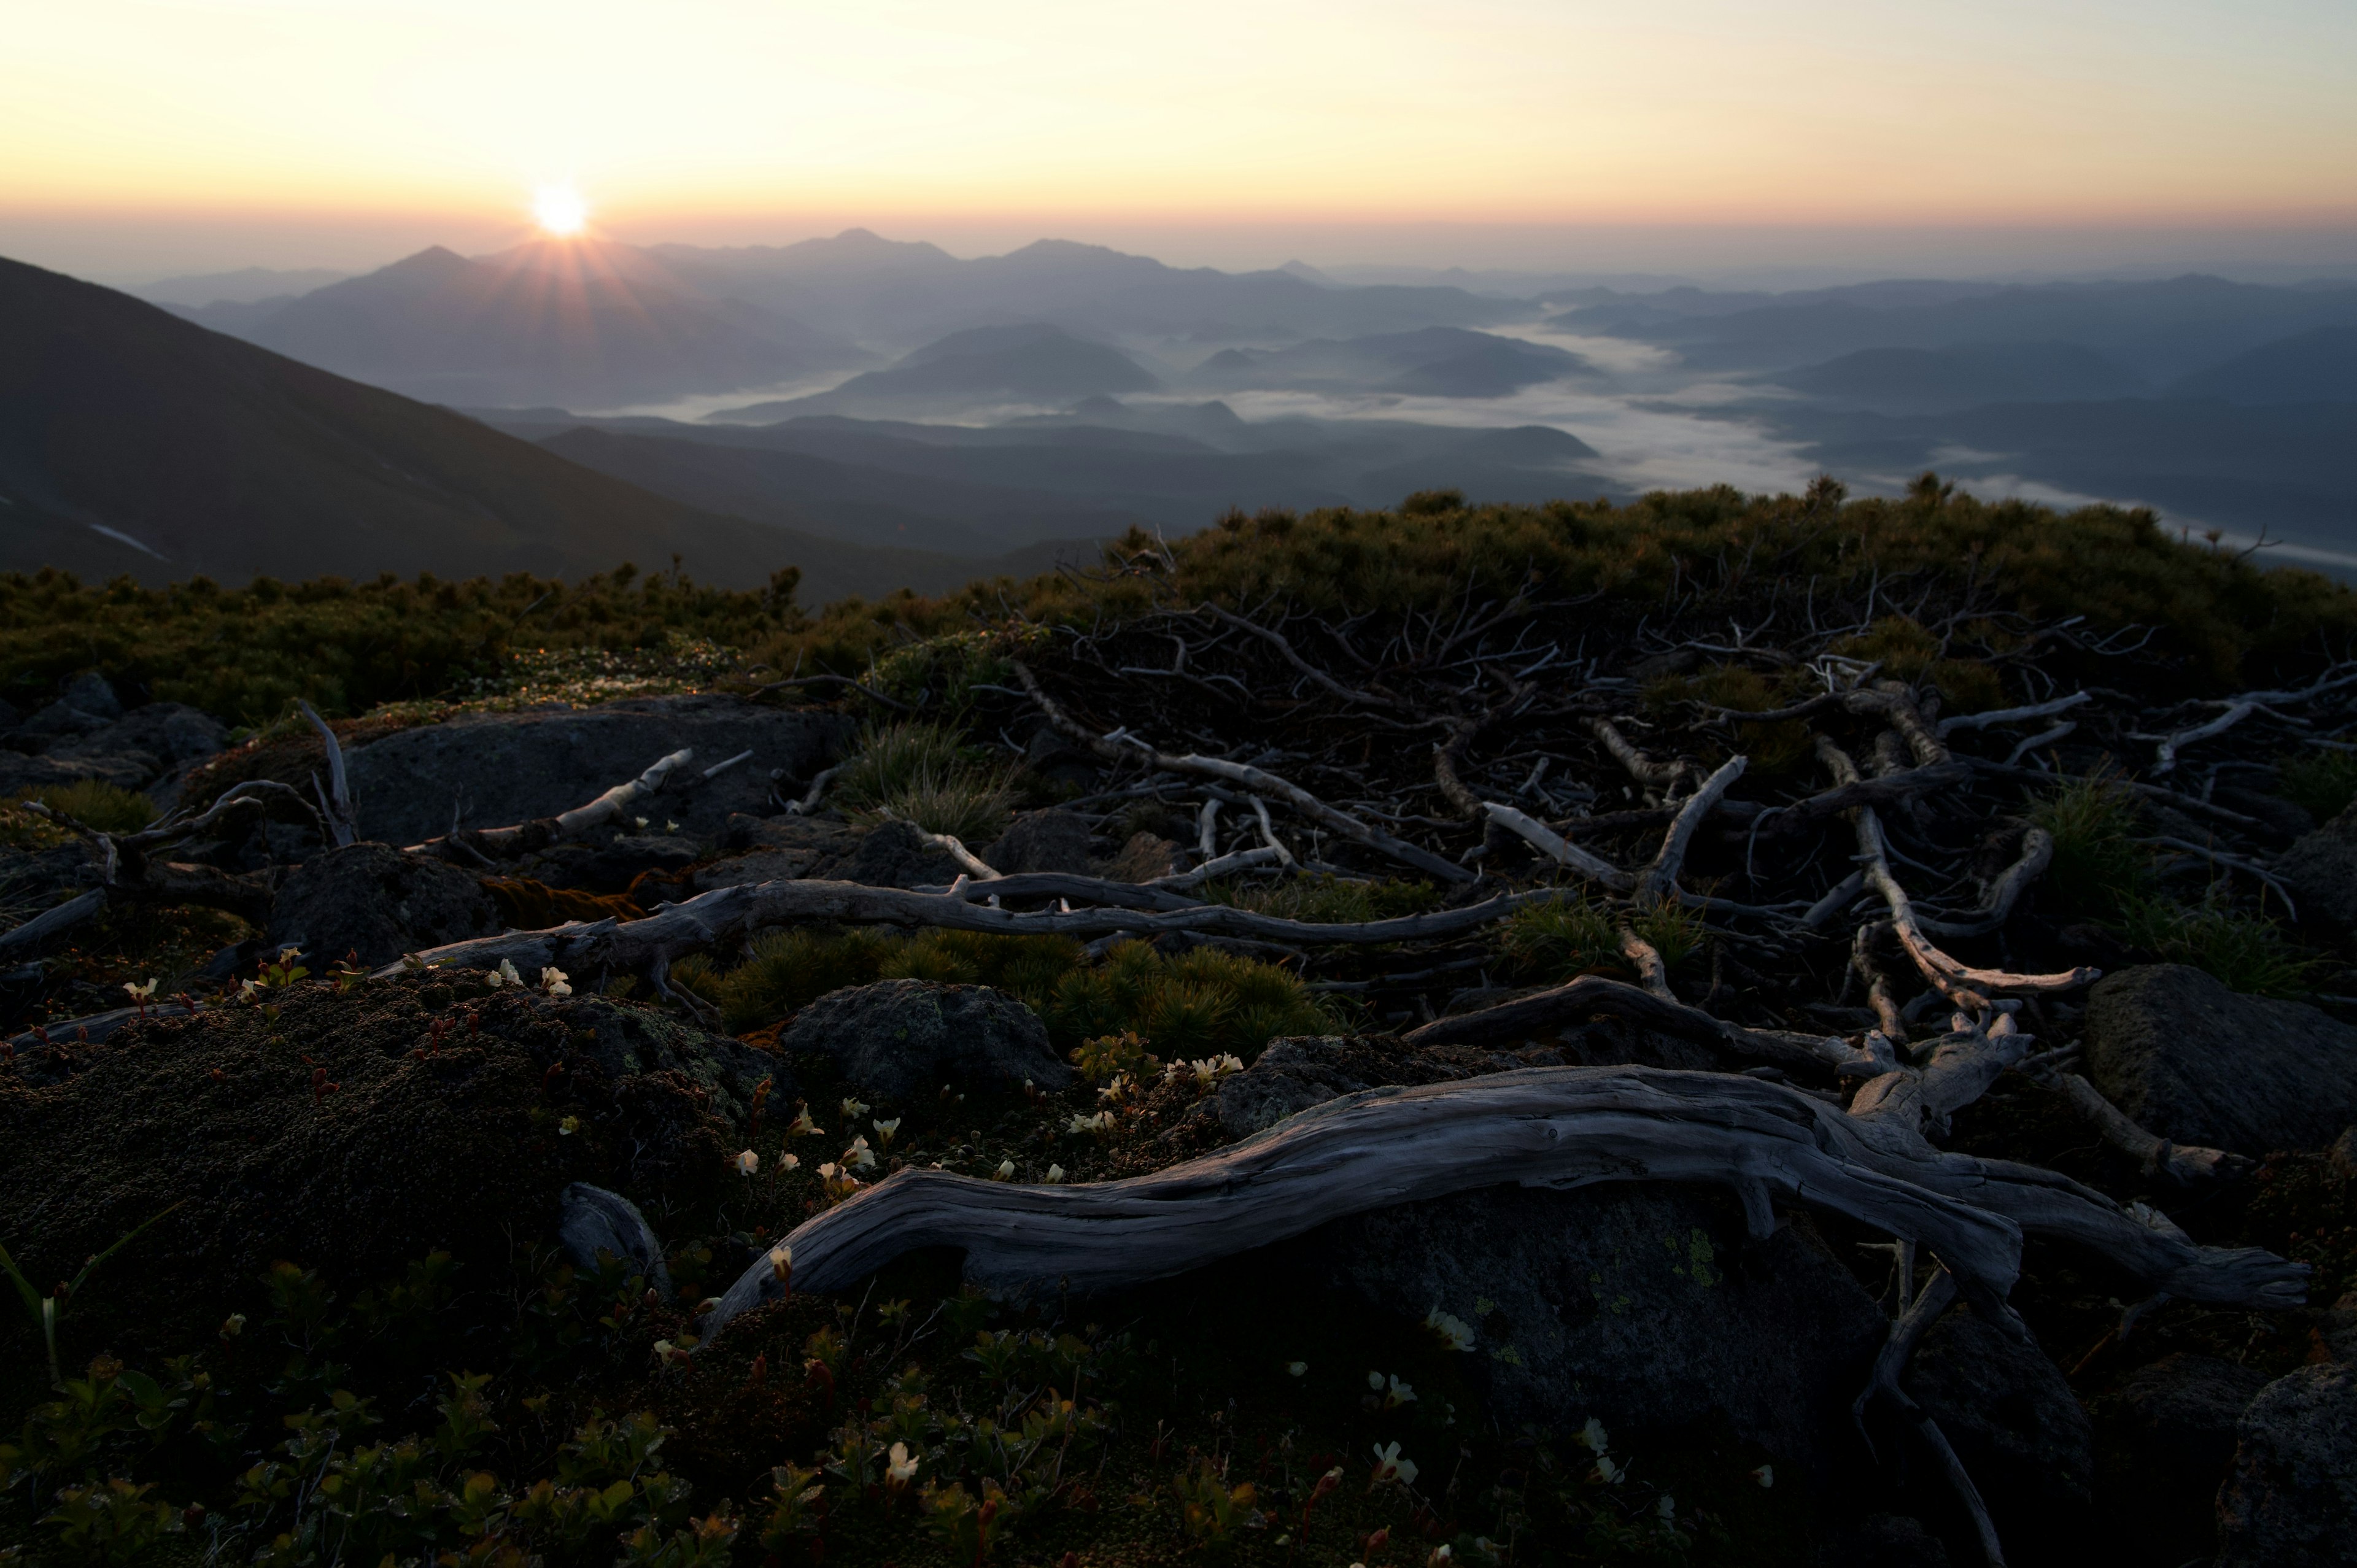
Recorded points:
(436, 1244)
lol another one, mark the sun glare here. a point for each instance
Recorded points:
(559, 209)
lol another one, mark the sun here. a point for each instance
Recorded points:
(559, 211)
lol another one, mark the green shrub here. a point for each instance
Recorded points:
(1558, 940)
(2099, 869)
(924, 773)
(2246, 953)
(2321, 782)
(94, 803)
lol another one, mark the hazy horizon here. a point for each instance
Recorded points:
(1822, 142)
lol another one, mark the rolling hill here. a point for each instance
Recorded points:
(1031, 364)
(1432, 361)
(134, 441)
(2318, 366)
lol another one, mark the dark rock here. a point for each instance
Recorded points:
(608, 865)
(781, 848)
(63, 719)
(2192, 1061)
(1639, 1303)
(1296, 1073)
(92, 693)
(1882, 1541)
(892, 854)
(373, 900)
(502, 768)
(2283, 818)
(2163, 1440)
(2320, 869)
(590, 1220)
(1041, 841)
(2012, 1420)
(1142, 859)
(169, 732)
(2291, 1498)
(11, 716)
(2343, 1153)
(900, 1040)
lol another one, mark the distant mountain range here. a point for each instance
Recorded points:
(1433, 361)
(243, 286)
(131, 441)
(583, 323)
(1032, 366)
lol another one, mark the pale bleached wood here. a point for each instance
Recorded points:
(1257, 781)
(1593, 868)
(729, 914)
(1547, 1127)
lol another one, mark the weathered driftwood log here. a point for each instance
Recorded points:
(1556, 1127)
(1119, 747)
(728, 914)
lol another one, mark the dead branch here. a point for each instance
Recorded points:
(1128, 748)
(1553, 1127)
(336, 801)
(526, 838)
(1549, 843)
(1654, 776)
(2187, 1165)
(1997, 907)
(2164, 759)
(1939, 1294)
(727, 914)
(1594, 996)
(1285, 648)
(2013, 715)
(1662, 877)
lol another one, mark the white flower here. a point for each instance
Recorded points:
(801, 1126)
(782, 1263)
(904, 1467)
(1400, 1393)
(670, 827)
(570, 1125)
(1296, 1367)
(829, 1171)
(1006, 1171)
(642, 822)
(1592, 1434)
(1765, 1476)
(140, 993)
(1084, 1126)
(1055, 1173)
(859, 1156)
(288, 955)
(1456, 1330)
(789, 1161)
(884, 1129)
(1611, 1473)
(1667, 1507)
(853, 1110)
(245, 991)
(507, 974)
(1392, 1470)
(748, 1162)
(552, 981)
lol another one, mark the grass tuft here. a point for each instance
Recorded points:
(97, 804)
(924, 773)
(2322, 783)
(2099, 870)
(2246, 953)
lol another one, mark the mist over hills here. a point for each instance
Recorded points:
(863, 389)
(131, 441)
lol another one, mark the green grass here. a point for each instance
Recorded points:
(96, 804)
(1200, 1003)
(2321, 782)
(2246, 953)
(2099, 870)
(924, 773)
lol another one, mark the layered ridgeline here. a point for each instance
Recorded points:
(134, 443)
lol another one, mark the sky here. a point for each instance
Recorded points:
(156, 135)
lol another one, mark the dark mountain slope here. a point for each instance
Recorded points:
(1966, 375)
(2309, 367)
(586, 325)
(218, 457)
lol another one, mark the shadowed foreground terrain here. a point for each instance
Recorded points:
(1722, 1030)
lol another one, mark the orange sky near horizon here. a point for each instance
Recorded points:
(705, 113)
